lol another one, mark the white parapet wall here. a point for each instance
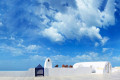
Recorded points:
(66, 71)
(97, 67)
(115, 69)
(29, 73)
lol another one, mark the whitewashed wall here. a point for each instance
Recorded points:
(97, 67)
(66, 71)
(29, 73)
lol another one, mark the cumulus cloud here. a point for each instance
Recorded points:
(53, 34)
(60, 20)
(84, 21)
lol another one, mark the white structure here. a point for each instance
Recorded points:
(48, 63)
(49, 71)
(115, 69)
(96, 67)
(78, 68)
(66, 71)
(29, 73)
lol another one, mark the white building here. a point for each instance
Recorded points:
(49, 71)
(78, 69)
(97, 67)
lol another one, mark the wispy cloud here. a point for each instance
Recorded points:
(105, 49)
(20, 49)
(1, 24)
(32, 47)
(12, 50)
(104, 40)
(96, 44)
(116, 58)
(91, 56)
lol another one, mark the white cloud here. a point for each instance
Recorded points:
(85, 57)
(71, 28)
(107, 16)
(3, 38)
(62, 59)
(85, 21)
(96, 44)
(20, 45)
(13, 50)
(104, 40)
(89, 10)
(37, 57)
(32, 47)
(20, 49)
(105, 49)
(12, 38)
(1, 23)
(60, 5)
(116, 58)
(53, 34)
(66, 59)
(48, 48)
(46, 20)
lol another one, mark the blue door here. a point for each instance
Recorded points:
(39, 71)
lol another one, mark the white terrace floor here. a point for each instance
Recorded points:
(113, 76)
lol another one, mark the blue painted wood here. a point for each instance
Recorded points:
(39, 68)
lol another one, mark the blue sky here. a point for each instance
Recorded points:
(67, 31)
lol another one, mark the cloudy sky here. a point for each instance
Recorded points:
(67, 31)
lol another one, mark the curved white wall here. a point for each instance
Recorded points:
(48, 63)
(97, 67)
